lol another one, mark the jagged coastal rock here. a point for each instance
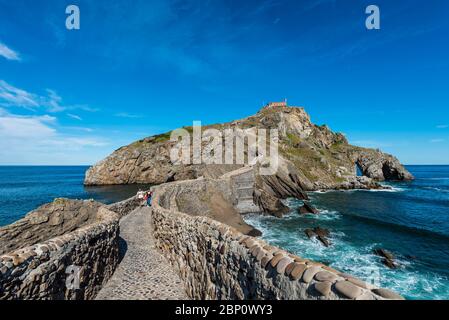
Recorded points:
(66, 237)
(216, 261)
(49, 220)
(307, 208)
(195, 220)
(179, 254)
(313, 155)
(320, 233)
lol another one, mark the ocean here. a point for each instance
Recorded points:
(24, 188)
(411, 221)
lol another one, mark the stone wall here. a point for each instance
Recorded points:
(211, 198)
(49, 220)
(124, 207)
(218, 262)
(40, 271)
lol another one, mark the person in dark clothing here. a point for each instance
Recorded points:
(149, 196)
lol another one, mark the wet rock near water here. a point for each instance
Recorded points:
(410, 257)
(388, 258)
(255, 233)
(268, 203)
(47, 221)
(39, 271)
(389, 263)
(307, 208)
(319, 233)
(381, 166)
(216, 261)
(384, 253)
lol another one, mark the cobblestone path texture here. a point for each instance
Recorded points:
(143, 273)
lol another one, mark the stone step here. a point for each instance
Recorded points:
(244, 177)
(247, 181)
(245, 193)
(244, 184)
(247, 206)
(245, 188)
(239, 181)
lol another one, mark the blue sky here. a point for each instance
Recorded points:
(137, 68)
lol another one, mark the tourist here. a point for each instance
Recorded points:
(141, 197)
(149, 196)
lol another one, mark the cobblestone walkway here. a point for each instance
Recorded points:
(143, 273)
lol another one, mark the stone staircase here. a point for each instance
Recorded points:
(243, 187)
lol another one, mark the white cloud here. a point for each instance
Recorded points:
(127, 115)
(442, 126)
(436, 140)
(11, 96)
(53, 101)
(39, 140)
(8, 53)
(74, 116)
(79, 128)
(36, 127)
(76, 142)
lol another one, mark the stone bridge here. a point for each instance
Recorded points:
(216, 261)
(191, 244)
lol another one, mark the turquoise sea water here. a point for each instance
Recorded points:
(24, 188)
(412, 221)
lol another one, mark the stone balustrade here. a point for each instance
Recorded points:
(218, 262)
(124, 207)
(49, 269)
(214, 260)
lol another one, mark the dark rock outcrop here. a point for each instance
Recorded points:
(49, 220)
(387, 257)
(269, 203)
(62, 238)
(239, 267)
(311, 158)
(320, 233)
(307, 208)
(254, 233)
(309, 233)
(380, 166)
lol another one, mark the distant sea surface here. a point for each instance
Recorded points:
(24, 188)
(411, 220)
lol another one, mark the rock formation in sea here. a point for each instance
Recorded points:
(81, 253)
(195, 221)
(311, 157)
(66, 249)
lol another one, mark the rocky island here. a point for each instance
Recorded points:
(195, 222)
(311, 158)
(318, 157)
